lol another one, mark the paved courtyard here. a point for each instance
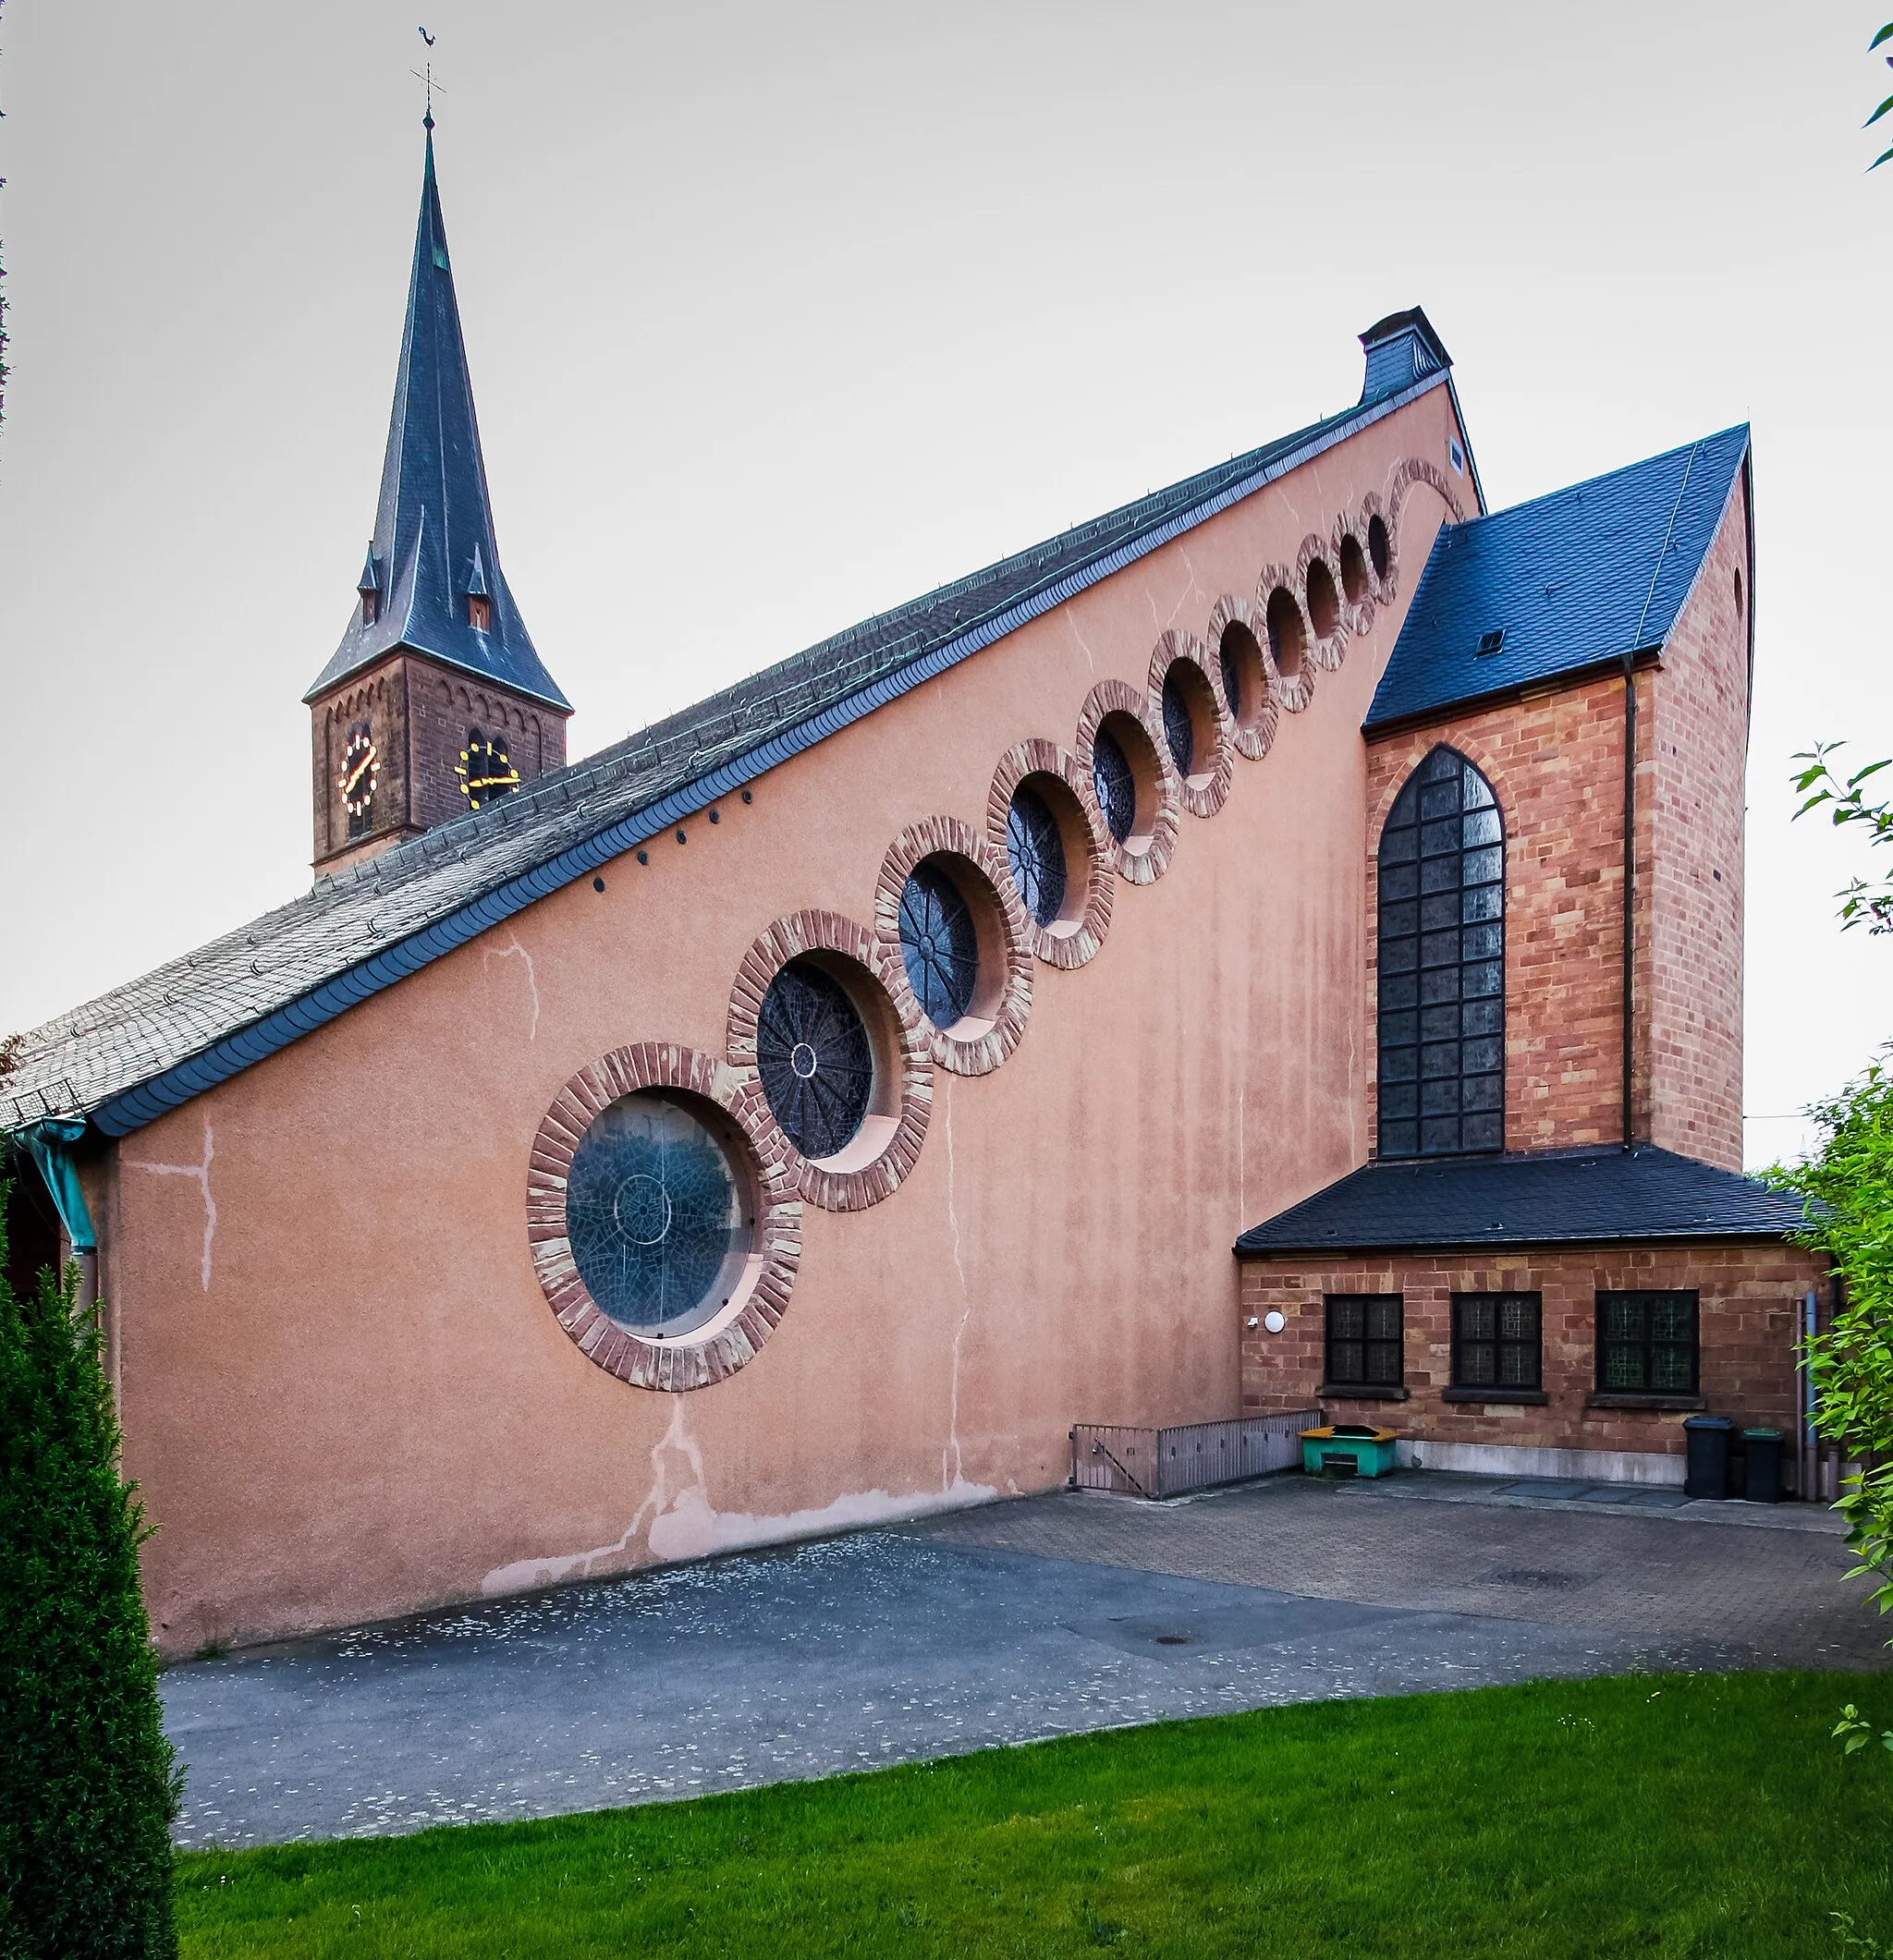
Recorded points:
(1038, 1617)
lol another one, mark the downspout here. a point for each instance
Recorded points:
(1629, 891)
(50, 1143)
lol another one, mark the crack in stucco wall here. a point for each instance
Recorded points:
(517, 951)
(202, 1173)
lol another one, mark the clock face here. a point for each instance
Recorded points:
(485, 771)
(360, 767)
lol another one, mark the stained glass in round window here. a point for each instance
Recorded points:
(938, 945)
(815, 1060)
(1232, 678)
(1037, 850)
(659, 1217)
(1180, 730)
(1114, 785)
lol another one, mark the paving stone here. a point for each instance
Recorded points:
(1039, 1617)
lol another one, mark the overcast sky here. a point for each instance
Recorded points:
(779, 315)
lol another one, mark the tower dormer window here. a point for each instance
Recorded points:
(479, 593)
(369, 589)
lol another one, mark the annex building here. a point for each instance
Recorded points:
(1278, 945)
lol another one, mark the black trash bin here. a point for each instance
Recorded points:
(1765, 1466)
(1707, 1438)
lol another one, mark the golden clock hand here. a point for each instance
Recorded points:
(366, 762)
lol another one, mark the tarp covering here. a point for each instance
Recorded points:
(50, 1142)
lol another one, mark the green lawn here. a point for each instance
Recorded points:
(1698, 1814)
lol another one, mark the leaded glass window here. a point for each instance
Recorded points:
(1115, 785)
(940, 945)
(816, 1062)
(1647, 1342)
(1442, 963)
(1179, 728)
(659, 1219)
(1036, 848)
(1232, 678)
(1364, 1339)
(1497, 1340)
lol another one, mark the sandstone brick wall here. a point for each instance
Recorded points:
(1690, 789)
(1555, 765)
(1747, 1322)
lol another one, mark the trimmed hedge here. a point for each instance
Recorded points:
(87, 1786)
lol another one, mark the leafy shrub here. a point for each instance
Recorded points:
(1850, 1181)
(87, 1786)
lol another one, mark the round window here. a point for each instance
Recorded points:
(939, 944)
(1115, 785)
(1232, 676)
(659, 1216)
(816, 1062)
(1179, 724)
(1036, 848)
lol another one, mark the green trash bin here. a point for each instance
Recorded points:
(1348, 1449)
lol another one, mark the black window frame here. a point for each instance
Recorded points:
(1331, 1340)
(1647, 1343)
(1462, 1306)
(1440, 963)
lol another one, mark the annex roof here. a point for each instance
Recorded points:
(434, 542)
(1546, 1198)
(1566, 583)
(150, 1045)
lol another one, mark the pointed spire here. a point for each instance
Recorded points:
(434, 518)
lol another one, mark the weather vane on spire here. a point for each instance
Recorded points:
(426, 76)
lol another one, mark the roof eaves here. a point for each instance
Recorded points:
(1672, 1234)
(130, 1109)
(1555, 682)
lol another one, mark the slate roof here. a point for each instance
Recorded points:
(1546, 1197)
(151, 1045)
(433, 540)
(1574, 580)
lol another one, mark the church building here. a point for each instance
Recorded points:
(1276, 946)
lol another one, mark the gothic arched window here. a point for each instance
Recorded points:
(1442, 963)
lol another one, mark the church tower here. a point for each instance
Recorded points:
(435, 702)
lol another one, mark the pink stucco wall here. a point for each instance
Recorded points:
(343, 1392)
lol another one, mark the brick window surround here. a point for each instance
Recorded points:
(1364, 1342)
(1253, 730)
(1206, 789)
(1649, 1345)
(1076, 935)
(888, 1145)
(716, 1350)
(1497, 1347)
(1326, 651)
(1293, 693)
(1002, 996)
(1145, 856)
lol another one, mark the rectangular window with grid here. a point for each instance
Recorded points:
(1498, 1339)
(1364, 1339)
(1646, 1342)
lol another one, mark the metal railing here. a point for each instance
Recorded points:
(1195, 1456)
